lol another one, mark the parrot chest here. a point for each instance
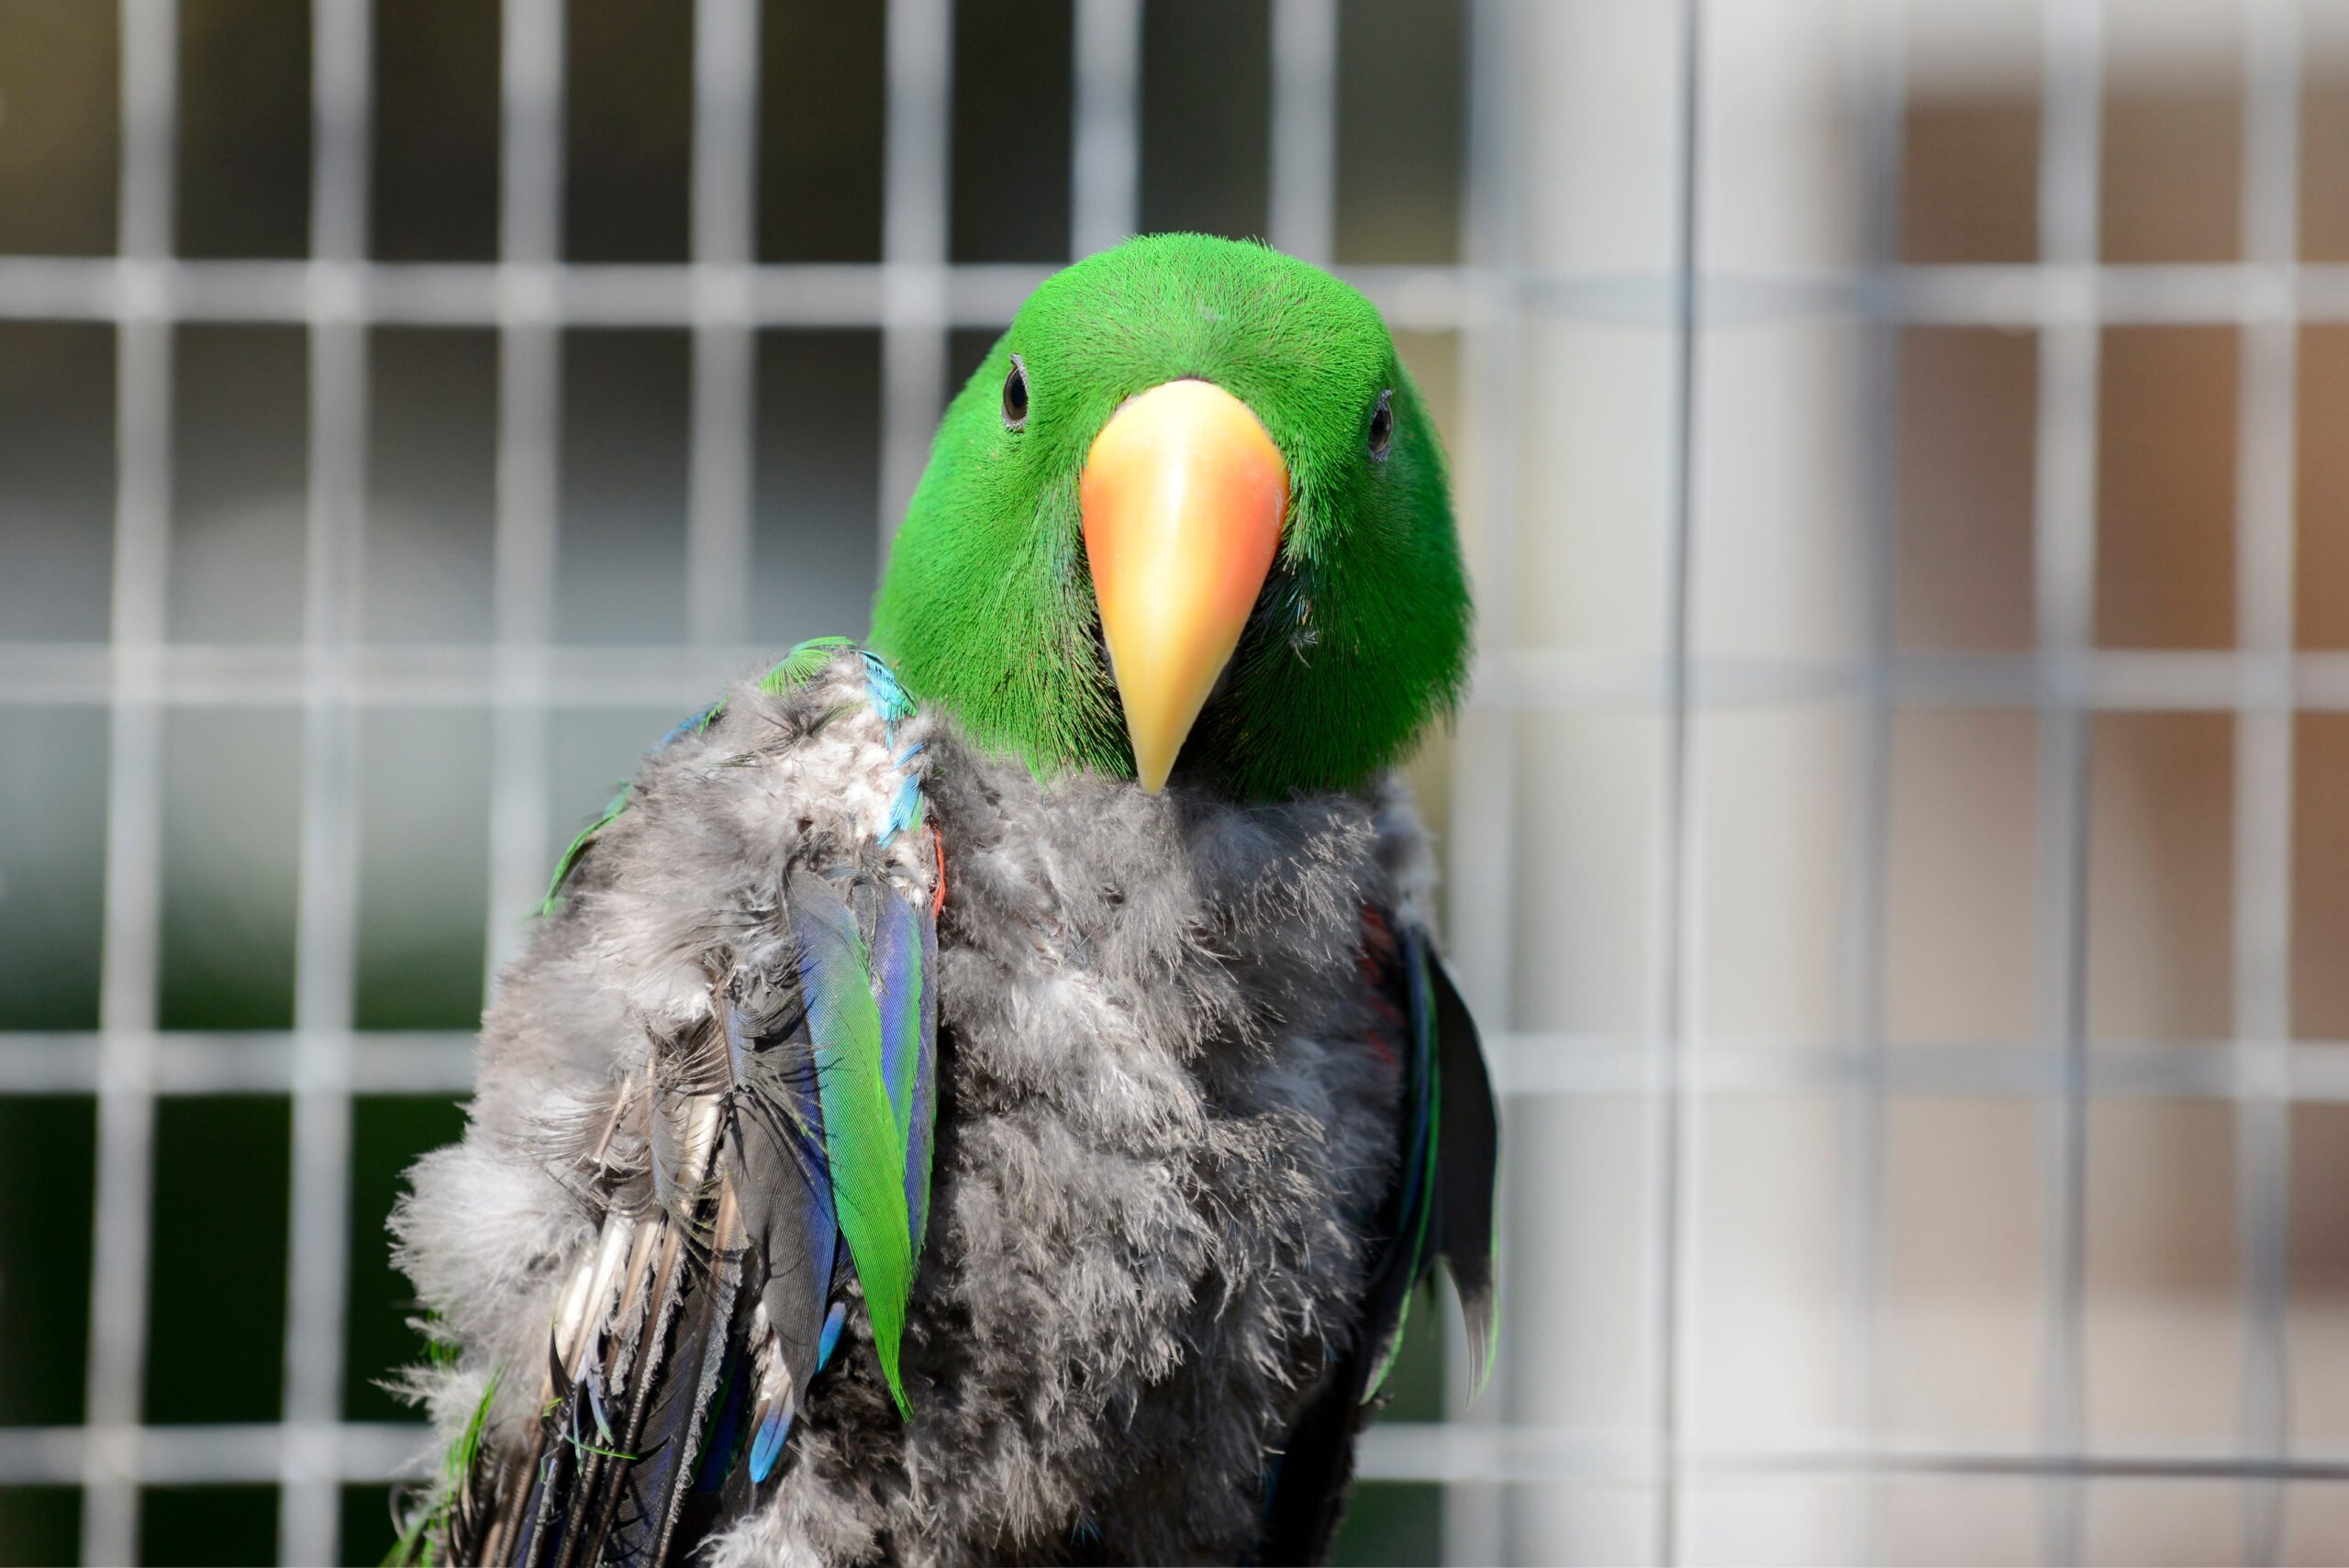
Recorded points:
(1162, 1138)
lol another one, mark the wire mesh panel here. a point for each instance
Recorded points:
(1893, 844)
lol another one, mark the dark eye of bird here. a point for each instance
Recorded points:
(1015, 395)
(1382, 426)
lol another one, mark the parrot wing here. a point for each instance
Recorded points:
(788, 1139)
(1440, 1207)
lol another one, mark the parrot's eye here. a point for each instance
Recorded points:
(1382, 426)
(1015, 395)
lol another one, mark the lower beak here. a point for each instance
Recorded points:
(1183, 496)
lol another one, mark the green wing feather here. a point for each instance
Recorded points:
(862, 1142)
(801, 664)
(579, 846)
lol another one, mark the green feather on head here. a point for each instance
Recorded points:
(1358, 636)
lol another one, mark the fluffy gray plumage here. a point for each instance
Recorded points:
(1162, 1136)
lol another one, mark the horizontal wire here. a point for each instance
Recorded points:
(902, 294)
(261, 1062)
(1431, 1451)
(668, 676)
(364, 1452)
(1523, 1063)
(215, 1455)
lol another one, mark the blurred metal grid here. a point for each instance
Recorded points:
(913, 295)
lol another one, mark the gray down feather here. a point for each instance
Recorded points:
(1162, 1140)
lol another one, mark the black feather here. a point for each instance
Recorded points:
(1467, 1169)
(1438, 1207)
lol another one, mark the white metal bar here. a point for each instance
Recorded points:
(1526, 680)
(221, 1061)
(1391, 1450)
(1303, 220)
(2263, 785)
(2065, 524)
(1404, 1450)
(318, 1239)
(1526, 1064)
(1675, 1047)
(529, 396)
(1479, 862)
(986, 293)
(1105, 172)
(215, 1455)
(1879, 110)
(133, 921)
(725, 142)
(916, 195)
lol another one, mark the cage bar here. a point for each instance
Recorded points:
(319, 1230)
(917, 186)
(2263, 785)
(725, 352)
(2064, 529)
(529, 393)
(111, 1459)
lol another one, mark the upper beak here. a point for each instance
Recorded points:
(1183, 496)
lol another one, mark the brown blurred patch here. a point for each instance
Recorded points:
(1969, 178)
(1958, 950)
(2322, 570)
(1968, 409)
(2166, 488)
(2320, 877)
(2164, 1343)
(2317, 1312)
(2324, 153)
(2173, 167)
(59, 128)
(2160, 877)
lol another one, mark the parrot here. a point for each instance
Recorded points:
(990, 1093)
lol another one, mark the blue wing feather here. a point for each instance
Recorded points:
(862, 1143)
(904, 952)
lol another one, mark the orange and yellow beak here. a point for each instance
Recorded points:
(1183, 496)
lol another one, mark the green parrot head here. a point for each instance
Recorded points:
(1190, 517)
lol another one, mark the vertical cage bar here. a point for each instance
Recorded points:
(134, 894)
(1674, 859)
(2263, 803)
(1882, 89)
(327, 899)
(529, 394)
(725, 198)
(1480, 865)
(2063, 505)
(1303, 220)
(1106, 173)
(917, 188)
